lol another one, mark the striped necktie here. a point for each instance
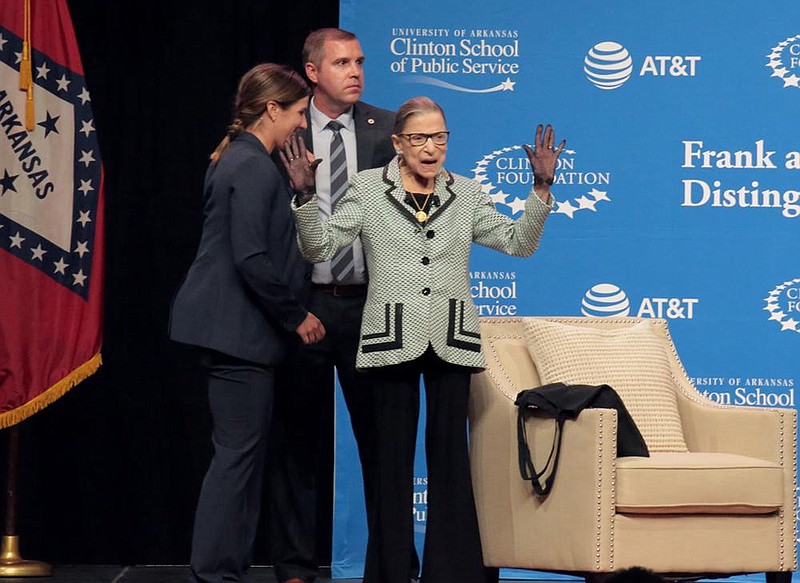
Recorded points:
(342, 265)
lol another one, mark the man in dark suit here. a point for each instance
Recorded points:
(334, 63)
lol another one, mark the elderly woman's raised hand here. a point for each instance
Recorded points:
(300, 166)
(543, 158)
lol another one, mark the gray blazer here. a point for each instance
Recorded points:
(419, 289)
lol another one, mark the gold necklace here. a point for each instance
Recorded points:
(421, 215)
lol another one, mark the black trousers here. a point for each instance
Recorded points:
(452, 542)
(240, 395)
(304, 428)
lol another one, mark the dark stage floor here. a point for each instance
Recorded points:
(159, 574)
(179, 574)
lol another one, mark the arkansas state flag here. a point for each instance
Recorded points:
(51, 211)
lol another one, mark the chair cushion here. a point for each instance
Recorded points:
(633, 360)
(710, 483)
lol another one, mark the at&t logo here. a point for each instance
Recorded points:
(607, 300)
(608, 65)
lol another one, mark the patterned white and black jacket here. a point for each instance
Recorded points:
(419, 289)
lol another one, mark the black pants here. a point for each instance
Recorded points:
(452, 542)
(304, 428)
(240, 395)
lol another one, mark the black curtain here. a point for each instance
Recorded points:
(110, 473)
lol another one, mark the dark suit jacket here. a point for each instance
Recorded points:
(373, 124)
(244, 293)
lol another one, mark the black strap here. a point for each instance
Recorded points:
(526, 468)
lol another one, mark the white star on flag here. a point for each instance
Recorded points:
(60, 266)
(87, 157)
(16, 240)
(79, 278)
(82, 248)
(84, 218)
(63, 83)
(86, 187)
(87, 127)
(42, 71)
(84, 96)
(38, 252)
(789, 324)
(2, 42)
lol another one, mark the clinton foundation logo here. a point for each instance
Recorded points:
(467, 60)
(506, 177)
(783, 305)
(609, 65)
(784, 61)
(608, 300)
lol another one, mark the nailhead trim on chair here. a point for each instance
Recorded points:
(598, 561)
(794, 497)
(781, 524)
(599, 490)
(782, 512)
(497, 382)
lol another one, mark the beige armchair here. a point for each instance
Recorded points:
(716, 497)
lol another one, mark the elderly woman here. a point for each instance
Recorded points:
(417, 222)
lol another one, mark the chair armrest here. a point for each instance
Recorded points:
(517, 527)
(762, 433)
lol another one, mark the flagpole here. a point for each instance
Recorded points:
(11, 563)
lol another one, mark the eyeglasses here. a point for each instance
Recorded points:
(439, 138)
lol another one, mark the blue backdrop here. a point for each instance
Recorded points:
(678, 195)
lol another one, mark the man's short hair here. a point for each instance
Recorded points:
(314, 47)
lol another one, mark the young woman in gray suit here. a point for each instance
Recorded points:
(242, 304)
(417, 222)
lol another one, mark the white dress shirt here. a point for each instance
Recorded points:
(322, 137)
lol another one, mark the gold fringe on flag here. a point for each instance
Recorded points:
(26, 67)
(52, 394)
